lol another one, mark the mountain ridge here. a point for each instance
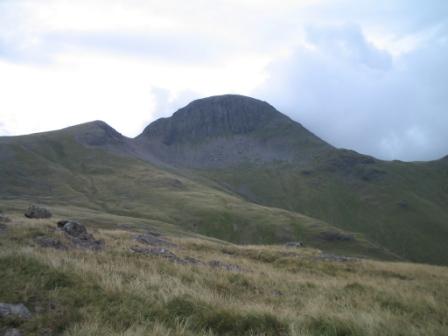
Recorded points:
(270, 160)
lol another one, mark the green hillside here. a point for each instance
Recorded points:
(402, 206)
(58, 169)
(234, 168)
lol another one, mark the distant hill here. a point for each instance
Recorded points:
(235, 168)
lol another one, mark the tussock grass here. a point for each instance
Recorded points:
(280, 292)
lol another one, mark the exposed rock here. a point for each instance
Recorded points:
(79, 236)
(12, 332)
(150, 239)
(158, 252)
(167, 254)
(226, 131)
(14, 310)
(336, 236)
(3, 228)
(44, 241)
(294, 244)
(223, 265)
(73, 228)
(35, 211)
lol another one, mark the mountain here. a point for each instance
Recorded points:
(94, 168)
(249, 148)
(235, 168)
(224, 131)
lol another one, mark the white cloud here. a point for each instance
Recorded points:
(370, 76)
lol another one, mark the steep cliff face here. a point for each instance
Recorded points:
(228, 130)
(214, 117)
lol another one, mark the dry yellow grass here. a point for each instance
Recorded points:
(279, 291)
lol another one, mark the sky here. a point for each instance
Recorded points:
(365, 75)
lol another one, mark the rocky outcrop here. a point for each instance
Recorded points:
(14, 310)
(73, 228)
(213, 117)
(224, 131)
(35, 211)
(158, 252)
(167, 254)
(79, 236)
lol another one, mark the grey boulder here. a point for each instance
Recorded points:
(73, 228)
(35, 211)
(14, 310)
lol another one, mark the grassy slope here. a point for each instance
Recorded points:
(402, 206)
(115, 292)
(55, 169)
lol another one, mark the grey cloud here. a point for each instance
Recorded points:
(347, 42)
(353, 95)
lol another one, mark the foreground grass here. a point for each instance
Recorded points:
(279, 292)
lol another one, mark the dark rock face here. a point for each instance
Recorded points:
(224, 131)
(14, 310)
(35, 211)
(213, 117)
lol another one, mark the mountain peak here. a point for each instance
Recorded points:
(215, 116)
(96, 133)
(228, 130)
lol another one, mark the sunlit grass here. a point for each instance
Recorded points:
(280, 292)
